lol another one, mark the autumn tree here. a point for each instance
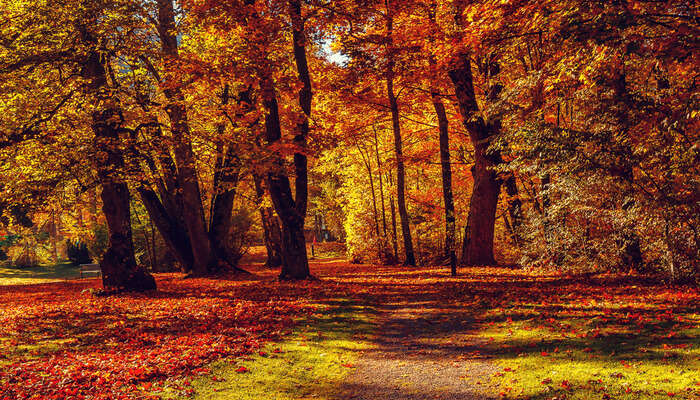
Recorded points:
(266, 31)
(603, 98)
(76, 55)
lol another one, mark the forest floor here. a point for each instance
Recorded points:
(358, 332)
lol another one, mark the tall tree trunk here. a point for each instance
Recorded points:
(272, 234)
(398, 149)
(292, 211)
(295, 264)
(166, 212)
(174, 235)
(222, 210)
(272, 237)
(445, 165)
(119, 269)
(225, 184)
(192, 210)
(394, 233)
(479, 233)
(120, 272)
(381, 181)
(368, 165)
(54, 237)
(305, 98)
(446, 183)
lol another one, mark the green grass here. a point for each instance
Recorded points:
(310, 363)
(38, 274)
(614, 360)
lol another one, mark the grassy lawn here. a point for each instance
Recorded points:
(310, 363)
(38, 274)
(627, 347)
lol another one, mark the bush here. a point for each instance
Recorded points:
(97, 245)
(78, 252)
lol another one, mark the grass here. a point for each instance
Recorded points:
(609, 355)
(310, 363)
(38, 274)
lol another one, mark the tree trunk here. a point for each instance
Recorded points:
(173, 233)
(119, 269)
(305, 98)
(192, 210)
(295, 264)
(444, 137)
(222, 211)
(479, 233)
(381, 181)
(272, 233)
(446, 182)
(226, 177)
(272, 237)
(398, 150)
(394, 233)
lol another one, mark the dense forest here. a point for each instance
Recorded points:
(159, 135)
(349, 200)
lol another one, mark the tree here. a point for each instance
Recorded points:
(87, 72)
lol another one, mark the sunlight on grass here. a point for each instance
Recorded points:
(311, 362)
(607, 356)
(38, 274)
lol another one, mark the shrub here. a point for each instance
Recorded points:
(78, 252)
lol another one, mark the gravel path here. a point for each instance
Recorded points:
(421, 353)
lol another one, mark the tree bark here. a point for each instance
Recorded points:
(291, 211)
(381, 181)
(305, 98)
(295, 264)
(446, 168)
(410, 259)
(120, 272)
(192, 210)
(272, 234)
(394, 233)
(226, 176)
(222, 210)
(479, 233)
(173, 233)
(368, 165)
(272, 237)
(166, 212)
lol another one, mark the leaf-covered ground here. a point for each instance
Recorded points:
(59, 341)
(548, 336)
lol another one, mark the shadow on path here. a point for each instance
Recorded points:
(421, 352)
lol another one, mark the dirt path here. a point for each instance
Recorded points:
(421, 353)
